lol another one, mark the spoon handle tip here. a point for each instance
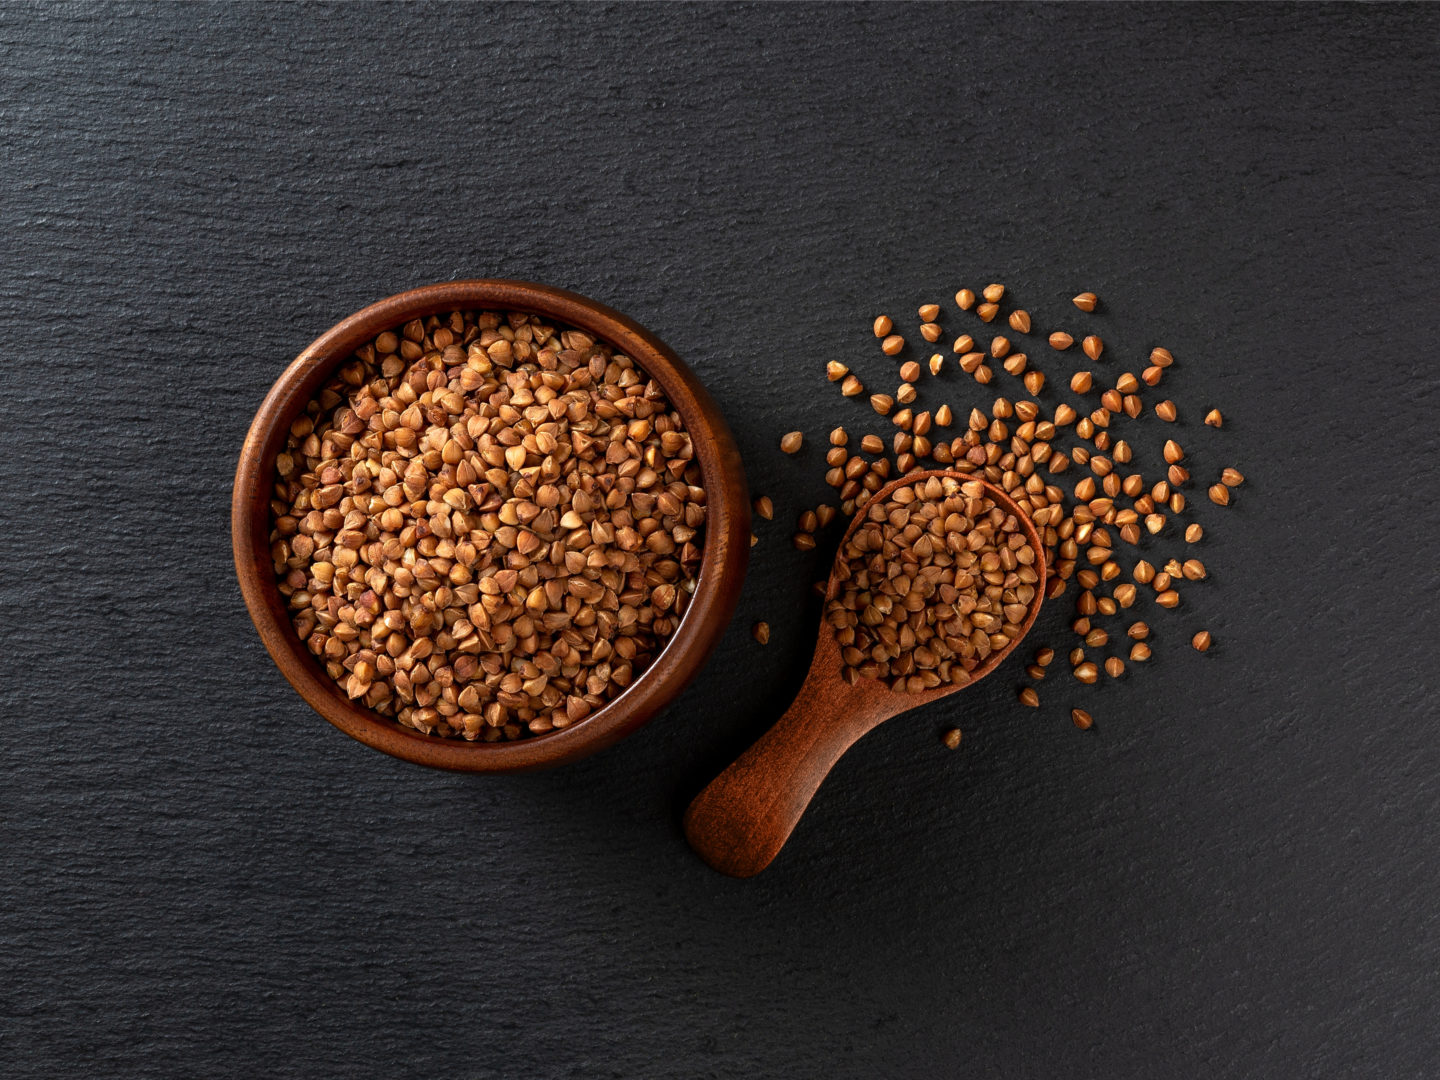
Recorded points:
(739, 823)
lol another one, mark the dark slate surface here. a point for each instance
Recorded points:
(1235, 874)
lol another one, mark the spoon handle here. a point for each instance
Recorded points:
(739, 823)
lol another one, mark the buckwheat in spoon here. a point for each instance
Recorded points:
(937, 579)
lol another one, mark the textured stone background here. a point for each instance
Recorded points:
(1235, 874)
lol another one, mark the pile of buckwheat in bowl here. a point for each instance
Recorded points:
(933, 579)
(485, 526)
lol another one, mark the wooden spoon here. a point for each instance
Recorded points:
(739, 823)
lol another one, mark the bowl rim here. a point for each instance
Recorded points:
(724, 555)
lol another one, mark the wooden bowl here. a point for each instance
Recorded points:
(723, 560)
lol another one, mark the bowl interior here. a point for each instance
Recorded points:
(725, 550)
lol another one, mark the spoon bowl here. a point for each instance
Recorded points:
(739, 823)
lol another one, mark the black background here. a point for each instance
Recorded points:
(1235, 873)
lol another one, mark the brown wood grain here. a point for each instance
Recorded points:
(723, 560)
